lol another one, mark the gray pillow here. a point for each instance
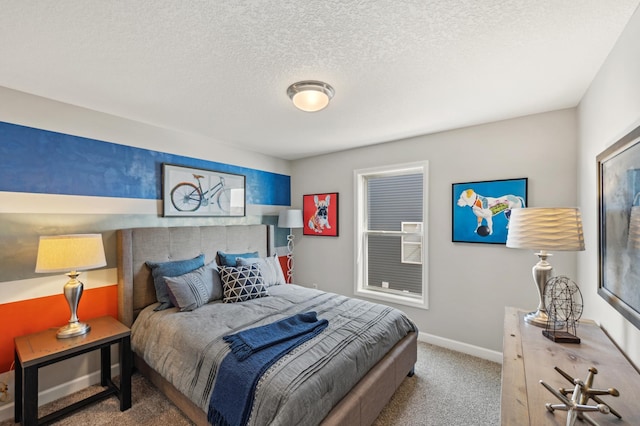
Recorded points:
(195, 288)
(242, 283)
(160, 270)
(269, 266)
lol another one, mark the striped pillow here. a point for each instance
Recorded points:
(193, 289)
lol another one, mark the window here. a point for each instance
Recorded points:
(391, 244)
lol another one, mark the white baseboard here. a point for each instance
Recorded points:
(57, 392)
(465, 348)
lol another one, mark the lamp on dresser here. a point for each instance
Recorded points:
(544, 229)
(291, 218)
(71, 253)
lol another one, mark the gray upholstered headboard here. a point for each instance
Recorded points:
(137, 245)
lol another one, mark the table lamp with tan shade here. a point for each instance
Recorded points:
(71, 253)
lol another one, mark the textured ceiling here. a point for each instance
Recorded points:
(221, 68)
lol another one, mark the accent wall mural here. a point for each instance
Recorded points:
(41, 161)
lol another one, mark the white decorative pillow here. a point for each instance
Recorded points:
(195, 288)
(242, 283)
(269, 266)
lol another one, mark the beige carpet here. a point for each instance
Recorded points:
(449, 388)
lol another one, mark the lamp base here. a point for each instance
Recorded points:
(73, 329)
(538, 318)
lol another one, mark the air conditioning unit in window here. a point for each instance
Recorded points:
(411, 248)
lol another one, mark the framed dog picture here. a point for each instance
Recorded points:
(481, 210)
(320, 214)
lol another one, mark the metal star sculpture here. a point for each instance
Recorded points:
(580, 396)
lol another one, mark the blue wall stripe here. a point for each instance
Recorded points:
(41, 161)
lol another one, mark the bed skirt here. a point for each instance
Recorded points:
(361, 406)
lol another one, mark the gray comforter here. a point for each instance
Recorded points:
(187, 347)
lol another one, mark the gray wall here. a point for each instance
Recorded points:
(470, 284)
(608, 111)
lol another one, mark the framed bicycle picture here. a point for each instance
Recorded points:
(189, 191)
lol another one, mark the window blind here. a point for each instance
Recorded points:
(392, 200)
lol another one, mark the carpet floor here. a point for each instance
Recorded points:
(448, 388)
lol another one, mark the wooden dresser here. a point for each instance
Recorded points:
(529, 357)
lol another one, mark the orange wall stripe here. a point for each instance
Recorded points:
(30, 316)
(283, 265)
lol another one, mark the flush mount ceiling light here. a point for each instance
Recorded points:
(310, 95)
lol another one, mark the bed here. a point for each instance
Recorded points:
(373, 375)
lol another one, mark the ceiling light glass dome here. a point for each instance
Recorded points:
(310, 95)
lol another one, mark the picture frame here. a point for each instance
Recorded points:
(320, 214)
(618, 172)
(481, 210)
(188, 191)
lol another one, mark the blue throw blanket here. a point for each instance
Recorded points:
(253, 351)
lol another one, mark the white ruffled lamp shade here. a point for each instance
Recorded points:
(544, 229)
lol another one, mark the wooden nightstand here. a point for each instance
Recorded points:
(39, 349)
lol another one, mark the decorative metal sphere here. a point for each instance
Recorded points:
(563, 300)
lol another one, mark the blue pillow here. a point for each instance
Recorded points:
(159, 270)
(230, 259)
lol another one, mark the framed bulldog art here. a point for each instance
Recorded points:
(320, 214)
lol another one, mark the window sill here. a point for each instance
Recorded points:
(415, 302)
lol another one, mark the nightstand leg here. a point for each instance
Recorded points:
(126, 365)
(30, 396)
(105, 369)
(17, 409)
